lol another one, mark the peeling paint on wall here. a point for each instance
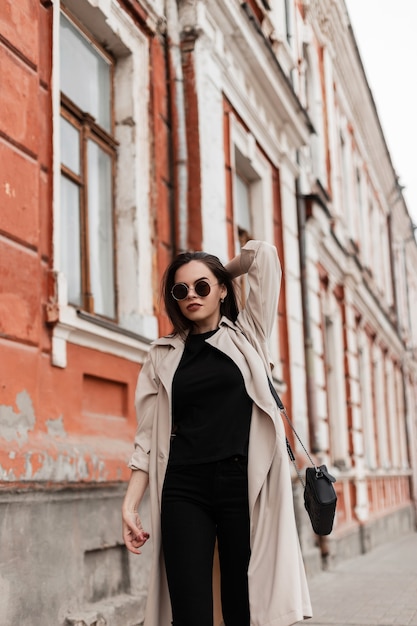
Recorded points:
(54, 454)
(65, 467)
(7, 475)
(56, 427)
(15, 426)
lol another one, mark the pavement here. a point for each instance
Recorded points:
(378, 588)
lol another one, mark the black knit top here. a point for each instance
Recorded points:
(211, 408)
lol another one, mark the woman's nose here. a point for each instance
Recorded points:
(191, 289)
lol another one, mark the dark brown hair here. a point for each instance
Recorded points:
(229, 307)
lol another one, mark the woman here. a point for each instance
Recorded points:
(211, 444)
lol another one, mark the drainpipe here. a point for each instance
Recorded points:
(308, 342)
(180, 145)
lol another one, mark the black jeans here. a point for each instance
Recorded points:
(199, 504)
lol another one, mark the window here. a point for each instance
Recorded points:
(367, 401)
(243, 207)
(345, 182)
(88, 155)
(335, 376)
(380, 406)
(101, 105)
(288, 20)
(251, 176)
(253, 203)
(314, 105)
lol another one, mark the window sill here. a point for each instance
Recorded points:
(85, 330)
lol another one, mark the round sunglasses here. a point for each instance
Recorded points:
(180, 290)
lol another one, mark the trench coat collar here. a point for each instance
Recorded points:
(256, 383)
(175, 346)
(174, 340)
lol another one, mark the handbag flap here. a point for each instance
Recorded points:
(321, 484)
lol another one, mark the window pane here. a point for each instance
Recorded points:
(70, 146)
(85, 74)
(243, 204)
(100, 229)
(70, 238)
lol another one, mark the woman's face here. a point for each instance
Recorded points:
(203, 311)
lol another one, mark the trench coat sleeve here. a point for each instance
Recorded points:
(145, 403)
(260, 261)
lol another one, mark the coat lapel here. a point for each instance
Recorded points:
(263, 430)
(168, 360)
(231, 341)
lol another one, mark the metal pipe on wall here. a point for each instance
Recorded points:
(308, 342)
(180, 145)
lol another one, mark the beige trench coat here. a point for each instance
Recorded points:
(278, 592)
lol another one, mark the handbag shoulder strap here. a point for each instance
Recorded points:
(289, 449)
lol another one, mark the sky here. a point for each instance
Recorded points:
(386, 36)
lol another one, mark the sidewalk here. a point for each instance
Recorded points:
(378, 588)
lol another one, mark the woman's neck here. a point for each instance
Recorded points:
(204, 328)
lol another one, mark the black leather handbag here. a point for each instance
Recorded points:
(320, 499)
(319, 494)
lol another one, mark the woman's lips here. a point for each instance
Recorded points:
(193, 307)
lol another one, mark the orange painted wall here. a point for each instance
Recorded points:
(74, 424)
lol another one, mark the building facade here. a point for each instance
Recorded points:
(131, 130)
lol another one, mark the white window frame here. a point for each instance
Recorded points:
(364, 208)
(392, 413)
(314, 104)
(260, 177)
(335, 382)
(259, 174)
(404, 407)
(378, 358)
(367, 404)
(346, 182)
(92, 134)
(137, 325)
(283, 20)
